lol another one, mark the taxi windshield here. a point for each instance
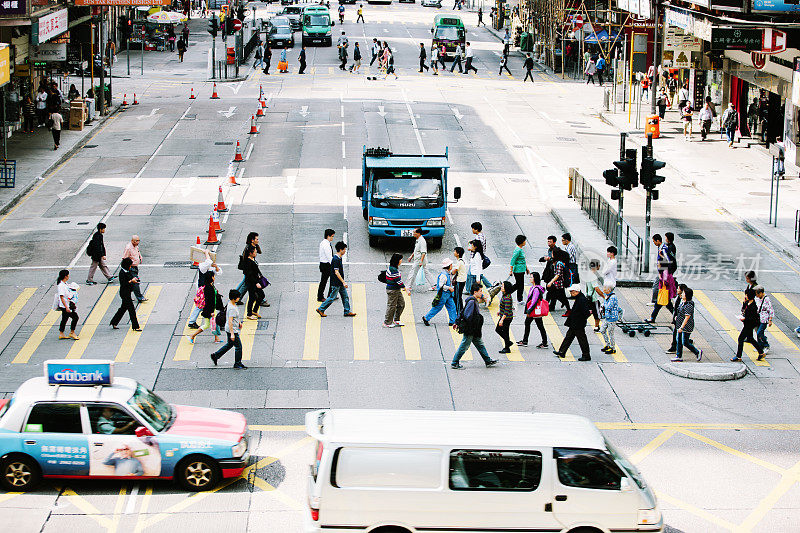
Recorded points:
(151, 407)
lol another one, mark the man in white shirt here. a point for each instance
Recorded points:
(470, 56)
(419, 260)
(610, 270)
(325, 256)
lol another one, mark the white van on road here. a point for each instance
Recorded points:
(383, 471)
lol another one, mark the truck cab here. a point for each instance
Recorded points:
(399, 193)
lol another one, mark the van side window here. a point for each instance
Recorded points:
(495, 470)
(587, 469)
(54, 418)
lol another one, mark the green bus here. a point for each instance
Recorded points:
(448, 30)
(317, 25)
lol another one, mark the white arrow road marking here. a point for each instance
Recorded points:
(152, 113)
(458, 115)
(304, 111)
(290, 189)
(381, 112)
(228, 113)
(488, 191)
(67, 194)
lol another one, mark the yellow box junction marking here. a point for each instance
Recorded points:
(774, 330)
(15, 307)
(247, 336)
(409, 331)
(142, 313)
(727, 326)
(36, 338)
(313, 322)
(92, 321)
(184, 350)
(360, 334)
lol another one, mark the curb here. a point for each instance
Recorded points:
(5, 208)
(706, 371)
(226, 80)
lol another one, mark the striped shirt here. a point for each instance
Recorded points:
(506, 307)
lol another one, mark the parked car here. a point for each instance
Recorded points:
(279, 33)
(431, 3)
(293, 14)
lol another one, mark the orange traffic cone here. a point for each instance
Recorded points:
(214, 95)
(260, 92)
(191, 94)
(253, 129)
(238, 157)
(260, 112)
(215, 219)
(232, 179)
(221, 202)
(264, 103)
(125, 100)
(195, 264)
(135, 101)
(212, 235)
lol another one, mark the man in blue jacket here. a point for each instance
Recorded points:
(471, 322)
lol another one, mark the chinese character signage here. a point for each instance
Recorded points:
(122, 2)
(49, 26)
(775, 6)
(747, 39)
(5, 64)
(13, 7)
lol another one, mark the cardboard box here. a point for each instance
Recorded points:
(76, 119)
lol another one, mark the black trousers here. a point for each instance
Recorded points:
(56, 136)
(254, 298)
(443, 61)
(658, 307)
(30, 121)
(458, 295)
(302, 67)
(126, 305)
(504, 333)
(580, 334)
(469, 66)
(422, 64)
(557, 295)
(519, 284)
(371, 61)
(137, 289)
(266, 65)
(528, 75)
(324, 274)
(68, 315)
(746, 335)
(600, 76)
(539, 324)
(457, 61)
(504, 66)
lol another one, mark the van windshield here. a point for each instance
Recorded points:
(632, 471)
(317, 20)
(449, 33)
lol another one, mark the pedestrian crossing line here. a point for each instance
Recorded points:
(515, 355)
(774, 330)
(727, 326)
(619, 357)
(142, 313)
(313, 323)
(360, 335)
(36, 338)
(554, 333)
(247, 335)
(184, 350)
(330, 70)
(15, 307)
(457, 342)
(92, 321)
(787, 304)
(409, 331)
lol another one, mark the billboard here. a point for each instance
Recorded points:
(5, 64)
(122, 2)
(775, 6)
(13, 7)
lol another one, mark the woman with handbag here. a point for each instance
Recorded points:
(444, 295)
(394, 295)
(505, 315)
(212, 302)
(254, 282)
(750, 320)
(65, 302)
(475, 270)
(535, 308)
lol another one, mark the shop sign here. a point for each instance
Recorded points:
(5, 64)
(49, 26)
(13, 7)
(736, 39)
(50, 52)
(678, 18)
(796, 82)
(682, 59)
(702, 29)
(676, 39)
(640, 8)
(122, 2)
(775, 6)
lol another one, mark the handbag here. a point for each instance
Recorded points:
(382, 276)
(486, 262)
(541, 309)
(264, 282)
(437, 299)
(283, 65)
(663, 295)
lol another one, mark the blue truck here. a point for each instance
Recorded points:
(401, 192)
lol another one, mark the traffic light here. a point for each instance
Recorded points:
(228, 25)
(240, 12)
(612, 177)
(213, 26)
(628, 175)
(649, 168)
(124, 27)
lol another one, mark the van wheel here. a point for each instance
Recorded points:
(19, 473)
(197, 473)
(436, 242)
(585, 530)
(390, 529)
(373, 240)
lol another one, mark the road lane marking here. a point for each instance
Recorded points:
(184, 350)
(143, 313)
(723, 321)
(313, 322)
(457, 338)
(89, 509)
(15, 307)
(247, 336)
(737, 453)
(92, 321)
(131, 505)
(36, 338)
(148, 492)
(651, 446)
(618, 356)
(787, 482)
(700, 425)
(413, 121)
(409, 331)
(787, 304)
(774, 330)
(360, 334)
(554, 333)
(702, 513)
(515, 355)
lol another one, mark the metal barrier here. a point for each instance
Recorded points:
(797, 227)
(8, 173)
(606, 218)
(223, 71)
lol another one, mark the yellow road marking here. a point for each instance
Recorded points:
(142, 313)
(737, 453)
(258, 427)
(36, 338)
(313, 321)
(702, 513)
(769, 501)
(773, 329)
(683, 425)
(247, 336)
(651, 446)
(184, 350)
(723, 321)
(88, 509)
(288, 500)
(409, 331)
(148, 492)
(8, 495)
(787, 303)
(457, 342)
(15, 307)
(619, 357)
(514, 355)
(360, 334)
(92, 321)
(117, 510)
(554, 333)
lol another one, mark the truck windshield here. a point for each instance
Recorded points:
(407, 189)
(448, 33)
(151, 407)
(317, 20)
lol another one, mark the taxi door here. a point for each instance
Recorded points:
(114, 448)
(53, 434)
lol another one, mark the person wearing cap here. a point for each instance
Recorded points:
(444, 295)
(576, 324)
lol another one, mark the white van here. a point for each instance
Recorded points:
(382, 471)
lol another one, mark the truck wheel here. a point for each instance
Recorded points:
(19, 473)
(373, 240)
(436, 242)
(197, 473)
(364, 213)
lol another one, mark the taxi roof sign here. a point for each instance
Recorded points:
(86, 372)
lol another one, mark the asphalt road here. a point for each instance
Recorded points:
(721, 455)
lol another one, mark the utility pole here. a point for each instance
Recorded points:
(621, 192)
(101, 98)
(649, 179)
(656, 61)
(143, 34)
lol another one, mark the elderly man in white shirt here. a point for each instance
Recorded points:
(325, 256)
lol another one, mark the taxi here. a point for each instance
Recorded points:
(81, 422)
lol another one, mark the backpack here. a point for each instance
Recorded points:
(200, 298)
(91, 249)
(221, 317)
(467, 326)
(382, 276)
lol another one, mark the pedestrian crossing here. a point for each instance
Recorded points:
(258, 76)
(29, 336)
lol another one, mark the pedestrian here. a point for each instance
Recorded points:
(342, 44)
(54, 98)
(590, 70)
(132, 251)
(750, 320)
(595, 292)
(395, 303)
(576, 324)
(422, 56)
(444, 295)
(600, 66)
(519, 265)
(259, 55)
(662, 102)
(528, 68)
(204, 8)
(254, 281)
(470, 56)
(460, 273)
(645, 88)
(672, 85)
(360, 12)
(341, 13)
(665, 280)
(41, 105)
(765, 314)
(686, 117)
(251, 241)
(96, 249)
(457, 59)
(435, 59)
(375, 48)
(475, 267)
(267, 61)
(480, 16)
(750, 279)
(390, 63)
(555, 287)
(672, 252)
(730, 121)
(684, 326)
(443, 57)
(705, 117)
(64, 301)
(356, 59)
(752, 117)
(325, 257)
(507, 41)
(127, 281)
(181, 48)
(676, 308)
(185, 33)
(338, 285)
(572, 250)
(205, 269)
(233, 326)
(283, 66)
(212, 302)
(54, 122)
(611, 314)
(470, 326)
(28, 115)
(171, 37)
(419, 261)
(535, 298)
(609, 273)
(683, 96)
(477, 231)
(504, 65)
(73, 92)
(302, 59)
(505, 315)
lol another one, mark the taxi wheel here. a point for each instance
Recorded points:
(197, 473)
(19, 473)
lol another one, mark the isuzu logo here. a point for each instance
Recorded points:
(406, 204)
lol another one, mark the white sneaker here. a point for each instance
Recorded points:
(766, 350)
(389, 325)
(398, 324)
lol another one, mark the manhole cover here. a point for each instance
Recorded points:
(177, 264)
(127, 139)
(191, 116)
(224, 143)
(567, 139)
(691, 236)
(263, 324)
(83, 223)
(90, 146)
(758, 193)
(63, 221)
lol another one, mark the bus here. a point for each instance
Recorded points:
(317, 25)
(448, 30)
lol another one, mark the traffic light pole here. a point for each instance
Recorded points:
(621, 192)
(128, 50)
(647, 205)
(213, 57)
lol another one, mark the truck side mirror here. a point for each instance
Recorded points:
(625, 484)
(457, 193)
(431, 30)
(359, 191)
(333, 23)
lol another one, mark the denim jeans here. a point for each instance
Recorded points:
(336, 290)
(466, 340)
(236, 343)
(685, 340)
(448, 303)
(194, 315)
(730, 133)
(761, 335)
(241, 287)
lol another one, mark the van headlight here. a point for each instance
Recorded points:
(305, 33)
(649, 517)
(240, 448)
(328, 33)
(377, 221)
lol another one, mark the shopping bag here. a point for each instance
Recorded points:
(542, 309)
(663, 296)
(283, 65)
(420, 279)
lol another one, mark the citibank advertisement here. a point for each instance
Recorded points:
(775, 6)
(82, 373)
